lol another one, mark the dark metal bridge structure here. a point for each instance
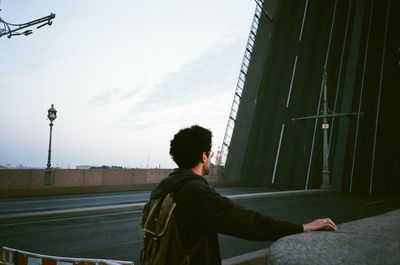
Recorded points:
(317, 98)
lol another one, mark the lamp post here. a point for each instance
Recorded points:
(10, 30)
(51, 116)
(325, 114)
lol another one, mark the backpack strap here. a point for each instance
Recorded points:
(156, 215)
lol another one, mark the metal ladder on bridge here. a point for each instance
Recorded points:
(259, 11)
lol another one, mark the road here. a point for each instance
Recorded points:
(116, 235)
(36, 204)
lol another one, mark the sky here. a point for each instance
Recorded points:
(123, 75)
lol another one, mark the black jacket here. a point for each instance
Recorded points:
(201, 212)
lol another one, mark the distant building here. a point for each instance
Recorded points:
(83, 167)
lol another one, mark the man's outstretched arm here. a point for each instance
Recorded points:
(224, 216)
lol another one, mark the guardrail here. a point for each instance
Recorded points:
(10, 256)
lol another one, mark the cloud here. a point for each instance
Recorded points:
(184, 93)
(105, 98)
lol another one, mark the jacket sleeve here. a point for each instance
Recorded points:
(221, 215)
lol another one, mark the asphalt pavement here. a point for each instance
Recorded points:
(63, 202)
(116, 235)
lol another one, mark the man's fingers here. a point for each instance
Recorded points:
(329, 223)
(318, 224)
(333, 225)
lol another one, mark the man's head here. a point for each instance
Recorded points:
(191, 146)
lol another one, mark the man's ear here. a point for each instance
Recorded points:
(204, 157)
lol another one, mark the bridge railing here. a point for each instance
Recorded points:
(10, 256)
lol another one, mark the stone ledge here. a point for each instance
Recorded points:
(373, 240)
(258, 257)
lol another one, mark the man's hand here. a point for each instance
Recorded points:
(325, 223)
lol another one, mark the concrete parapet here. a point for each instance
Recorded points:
(37, 178)
(16, 178)
(117, 176)
(93, 177)
(258, 257)
(139, 176)
(373, 240)
(30, 182)
(68, 177)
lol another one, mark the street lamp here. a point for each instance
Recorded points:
(325, 114)
(52, 115)
(10, 30)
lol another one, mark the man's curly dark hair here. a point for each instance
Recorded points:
(188, 145)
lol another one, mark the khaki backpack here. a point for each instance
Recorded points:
(162, 244)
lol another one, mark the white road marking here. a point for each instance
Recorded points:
(374, 202)
(361, 97)
(302, 23)
(291, 81)
(79, 198)
(277, 153)
(69, 218)
(371, 181)
(69, 206)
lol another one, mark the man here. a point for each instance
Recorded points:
(201, 213)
